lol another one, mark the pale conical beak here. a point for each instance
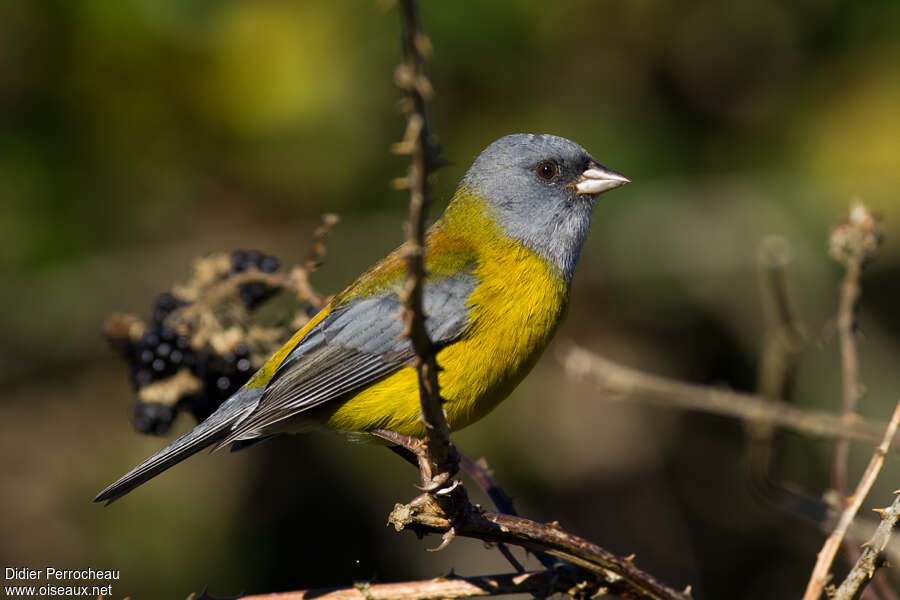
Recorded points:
(597, 179)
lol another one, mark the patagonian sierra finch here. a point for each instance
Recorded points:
(499, 266)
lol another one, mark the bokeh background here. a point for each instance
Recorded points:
(137, 135)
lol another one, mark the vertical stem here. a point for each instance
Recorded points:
(846, 325)
(410, 76)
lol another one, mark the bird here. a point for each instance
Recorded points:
(499, 266)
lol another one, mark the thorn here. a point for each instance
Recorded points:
(400, 183)
(630, 558)
(423, 44)
(445, 540)
(403, 147)
(879, 511)
(423, 86)
(403, 76)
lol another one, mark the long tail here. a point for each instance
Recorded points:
(210, 431)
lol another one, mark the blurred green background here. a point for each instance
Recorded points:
(136, 135)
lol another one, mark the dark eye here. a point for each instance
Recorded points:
(547, 170)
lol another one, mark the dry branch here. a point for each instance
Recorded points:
(853, 244)
(312, 261)
(826, 556)
(783, 341)
(542, 583)
(481, 474)
(784, 338)
(616, 574)
(872, 556)
(620, 383)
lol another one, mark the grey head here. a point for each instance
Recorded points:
(541, 191)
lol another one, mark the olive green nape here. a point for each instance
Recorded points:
(450, 247)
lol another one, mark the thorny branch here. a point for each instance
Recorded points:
(449, 511)
(481, 474)
(611, 573)
(436, 463)
(872, 556)
(826, 556)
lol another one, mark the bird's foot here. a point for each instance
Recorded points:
(437, 476)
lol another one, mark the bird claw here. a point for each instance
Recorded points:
(439, 484)
(446, 491)
(435, 483)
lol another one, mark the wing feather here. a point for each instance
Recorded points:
(356, 344)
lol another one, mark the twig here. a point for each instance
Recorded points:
(438, 468)
(782, 343)
(619, 383)
(424, 515)
(218, 289)
(846, 320)
(481, 474)
(452, 586)
(872, 556)
(312, 261)
(478, 472)
(784, 336)
(852, 243)
(826, 556)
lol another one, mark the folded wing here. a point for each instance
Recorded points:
(356, 344)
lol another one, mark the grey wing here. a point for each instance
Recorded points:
(353, 346)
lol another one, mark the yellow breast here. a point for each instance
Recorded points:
(515, 309)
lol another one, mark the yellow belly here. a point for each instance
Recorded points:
(515, 310)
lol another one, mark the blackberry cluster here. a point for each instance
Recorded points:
(222, 376)
(256, 292)
(158, 354)
(161, 352)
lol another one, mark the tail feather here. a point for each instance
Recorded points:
(215, 428)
